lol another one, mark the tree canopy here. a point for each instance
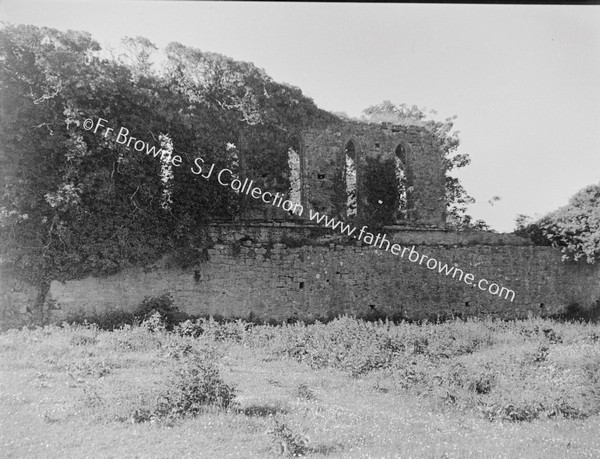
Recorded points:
(76, 203)
(575, 228)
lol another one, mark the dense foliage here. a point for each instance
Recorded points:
(75, 202)
(575, 228)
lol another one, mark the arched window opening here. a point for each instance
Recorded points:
(404, 187)
(295, 181)
(350, 174)
(166, 171)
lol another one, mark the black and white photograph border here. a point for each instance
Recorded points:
(329, 230)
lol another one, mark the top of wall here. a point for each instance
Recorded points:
(389, 129)
(311, 234)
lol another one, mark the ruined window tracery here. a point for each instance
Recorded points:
(166, 171)
(295, 181)
(350, 174)
(404, 184)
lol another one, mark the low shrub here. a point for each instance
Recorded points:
(218, 330)
(194, 385)
(305, 392)
(176, 349)
(163, 305)
(89, 368)
(109, 320)
(191, 328)
(359, 347)
(133, 339)
(83, 335)
(575, 312)
(287, 442)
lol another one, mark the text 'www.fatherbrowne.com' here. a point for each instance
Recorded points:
(381, 242)
(230, 179)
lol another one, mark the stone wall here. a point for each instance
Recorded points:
(288, 268)
(283, 271)
(17, 300)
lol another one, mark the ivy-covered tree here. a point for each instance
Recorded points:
(257, 115)
(457, 198)
(575, 228)
(74, 202)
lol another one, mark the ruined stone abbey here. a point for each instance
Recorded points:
(270, 264)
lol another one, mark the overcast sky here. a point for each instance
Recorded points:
(523, 80)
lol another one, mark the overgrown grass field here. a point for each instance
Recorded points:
(348, 389)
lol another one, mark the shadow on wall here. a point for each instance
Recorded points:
(576, 312)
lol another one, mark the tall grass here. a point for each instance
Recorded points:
(517, 370)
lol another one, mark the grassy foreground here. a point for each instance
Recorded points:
(349, 388)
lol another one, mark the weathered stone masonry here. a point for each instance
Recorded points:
(263, 271)
(375, 147)
(270, 265)
(323, 159)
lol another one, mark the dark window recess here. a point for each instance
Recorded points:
(301, 285)
(320, 176)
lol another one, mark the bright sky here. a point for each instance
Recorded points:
(524, 81)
